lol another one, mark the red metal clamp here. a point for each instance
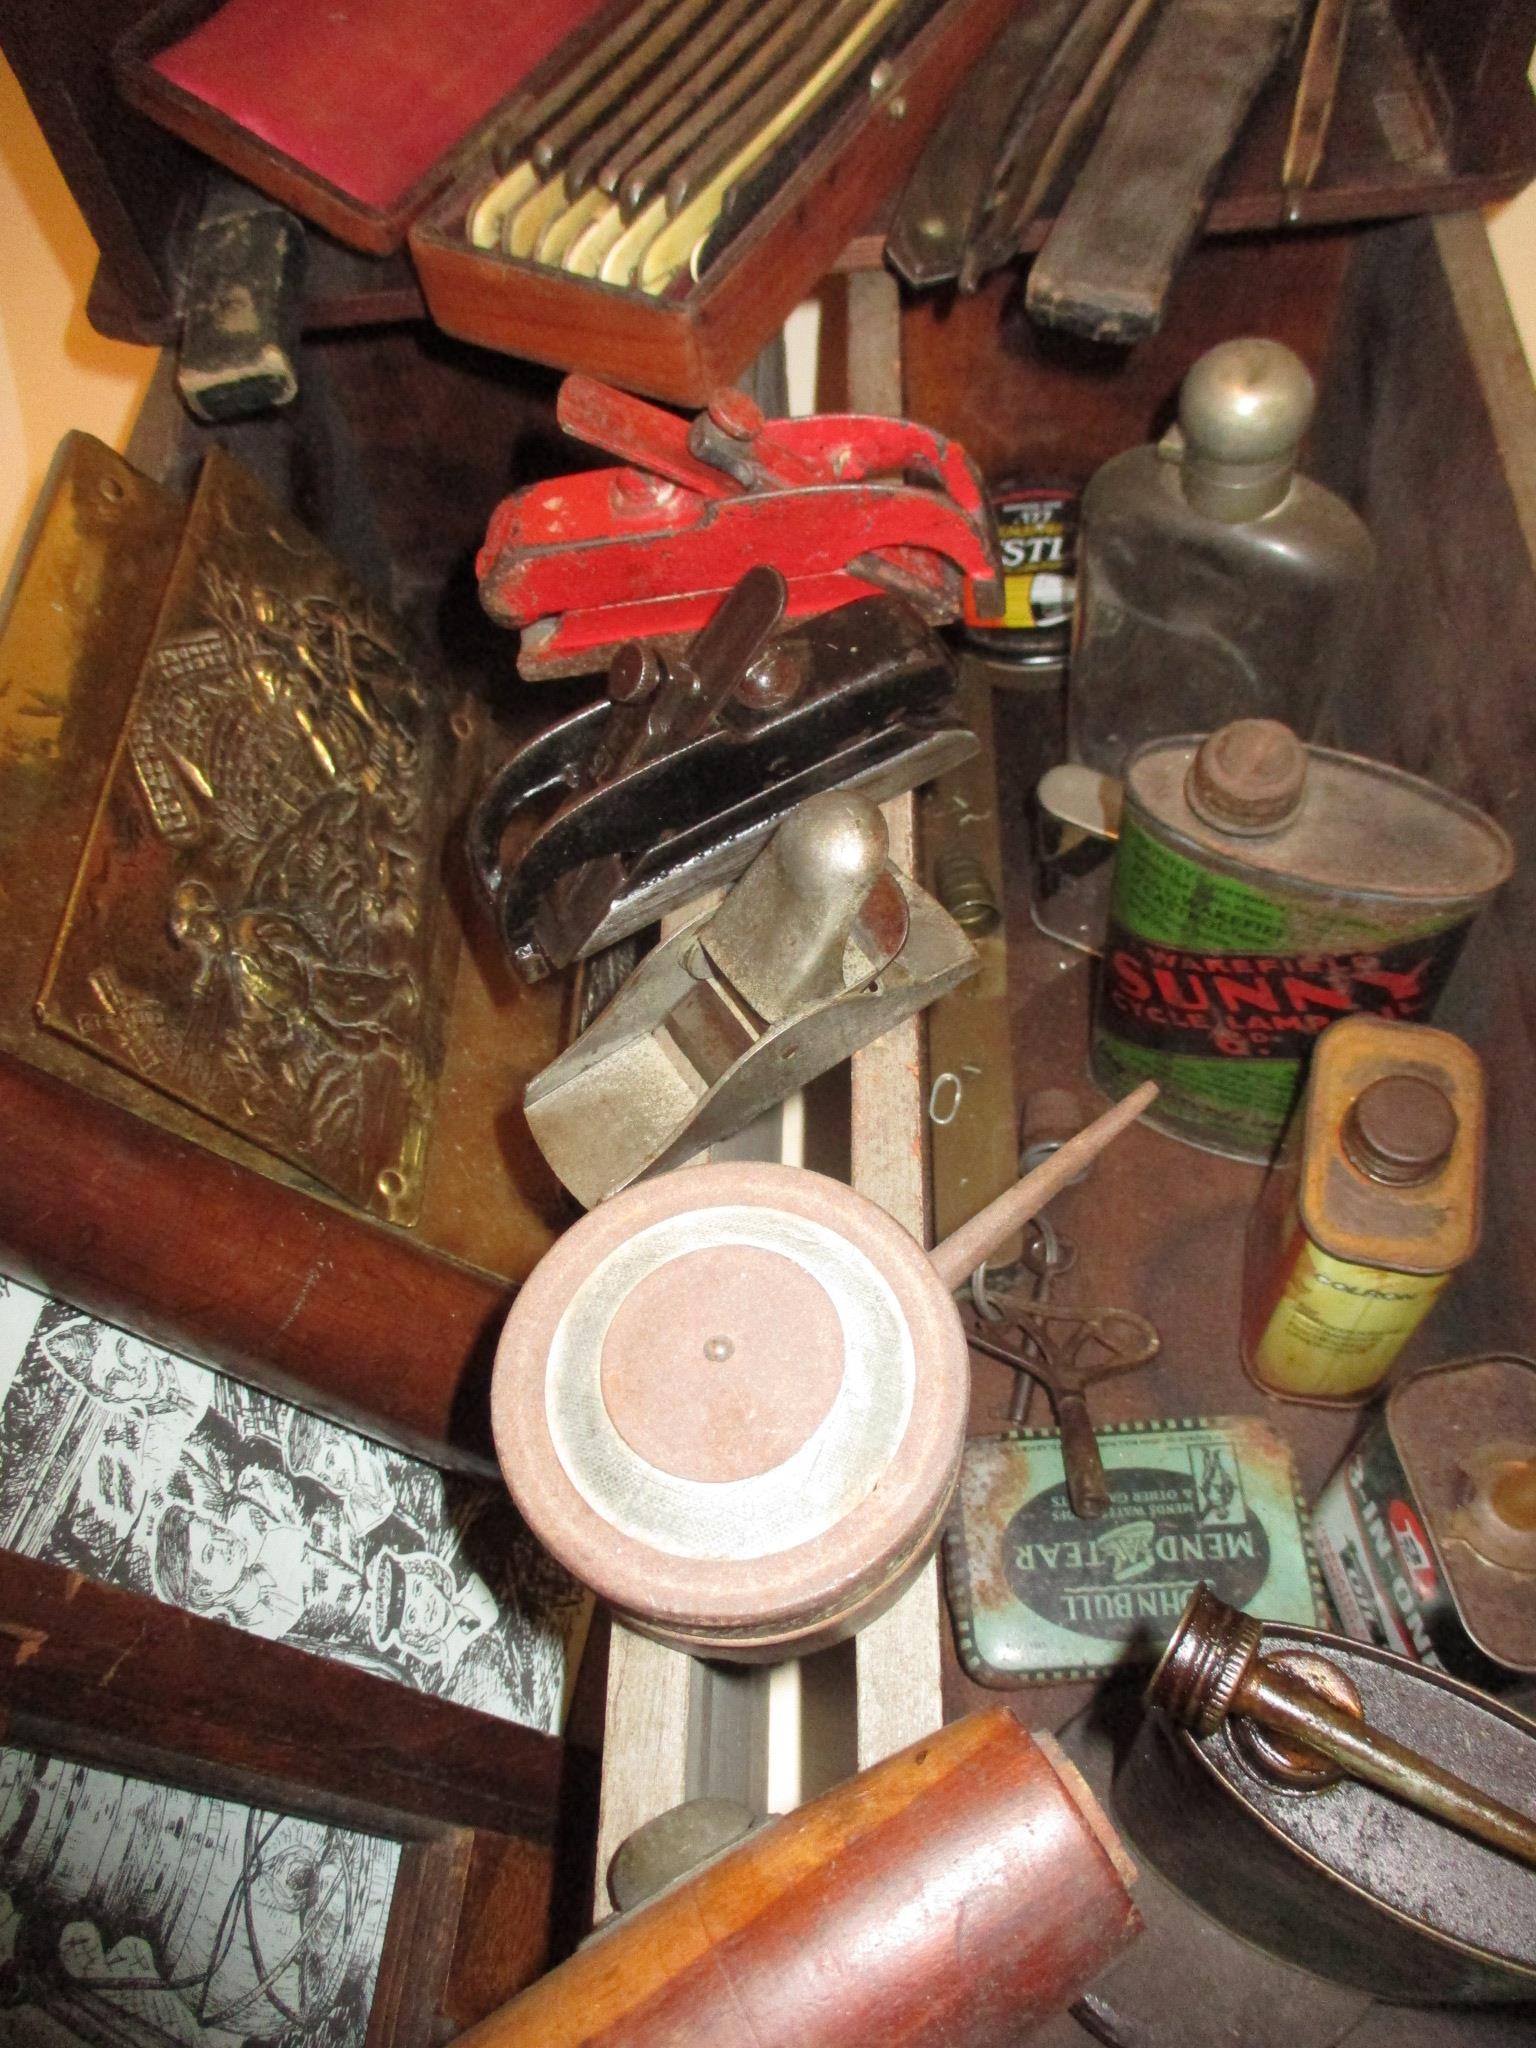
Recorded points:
(841, 504)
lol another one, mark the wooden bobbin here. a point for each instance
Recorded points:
(732, 1399)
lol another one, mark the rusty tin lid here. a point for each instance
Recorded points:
(732, 1401)
(1465, 1435)
(1392, 1147)
(1357, 827)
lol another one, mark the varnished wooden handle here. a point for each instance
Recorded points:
(961, 1891)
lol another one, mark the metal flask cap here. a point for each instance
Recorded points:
(1248, 777)
(1243, 409)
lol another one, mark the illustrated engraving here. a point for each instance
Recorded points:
(253, 926)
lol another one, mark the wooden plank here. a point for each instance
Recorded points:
(119, 1669)
(899, 1695)
(645, 1743)
(897, 1655)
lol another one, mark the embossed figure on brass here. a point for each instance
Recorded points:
(253, 923)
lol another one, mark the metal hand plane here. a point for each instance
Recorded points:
(670, 785)
(820, 947)
(840, 504)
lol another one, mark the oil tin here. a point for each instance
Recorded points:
(1025, 645)
(1345, 1880)
(1426, 1534)
(1374, 1201)
(1262, 890)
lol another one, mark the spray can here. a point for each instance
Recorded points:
(1426, 1534)
(1263, 889)
(1375, 1200)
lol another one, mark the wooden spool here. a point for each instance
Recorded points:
(732, 1399)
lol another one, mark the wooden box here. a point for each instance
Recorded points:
(1426, 422)
(680, 346)
(1434, 113)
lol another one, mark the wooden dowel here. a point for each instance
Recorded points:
(962, 1252)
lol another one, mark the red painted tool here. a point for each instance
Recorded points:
(841, 504)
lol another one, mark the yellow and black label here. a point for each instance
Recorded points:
(1337, 1328)
(1037, 537)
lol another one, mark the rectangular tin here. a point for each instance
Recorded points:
(1038, 1595)
(1342, 1268)
(1399, 1573)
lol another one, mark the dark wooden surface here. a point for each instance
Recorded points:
(1427, 422)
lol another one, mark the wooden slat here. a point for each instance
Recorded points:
(645, 1743)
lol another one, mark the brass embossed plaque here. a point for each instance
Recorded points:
(253, 924)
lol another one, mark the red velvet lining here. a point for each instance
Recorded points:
(367, 93)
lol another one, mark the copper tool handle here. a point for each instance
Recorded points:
(1277, 1700)
(658, 66)
(758, 59)
(683, 84)
(981, 1845)
(1316, 91)
(962, 1252)
(1071, 88)
(629, 66)
(808, 48)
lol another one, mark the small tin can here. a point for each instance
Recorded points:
(1374, 1202)
(1426, 1534)
(1025, 645)
(1262, 890)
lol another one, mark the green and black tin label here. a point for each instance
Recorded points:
(1216, 988)
(1038, 1594)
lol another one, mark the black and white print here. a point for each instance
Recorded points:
(131, 1465)
(137, 1915)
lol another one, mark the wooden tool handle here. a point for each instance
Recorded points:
(961, 1253)
(980, 1844)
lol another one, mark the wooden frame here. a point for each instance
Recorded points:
(106, 1677)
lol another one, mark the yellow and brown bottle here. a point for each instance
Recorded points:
(1374, 1202)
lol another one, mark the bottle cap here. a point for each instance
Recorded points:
(1243, 409)
(1400, 1130)
(1497, 1516)
(1248, 777)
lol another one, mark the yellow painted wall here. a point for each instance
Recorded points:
(56, 372)
(1512, 230)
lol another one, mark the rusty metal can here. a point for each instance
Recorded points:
(1262, 890)
(1426, 1534)
(1339, 1877)
(1374, 1201)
